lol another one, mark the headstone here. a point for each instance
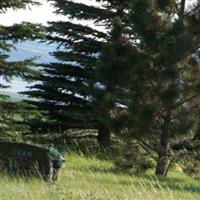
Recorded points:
(28, 160)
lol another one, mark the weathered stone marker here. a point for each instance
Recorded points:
(28, 159)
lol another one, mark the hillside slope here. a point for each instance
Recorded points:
(93, 179)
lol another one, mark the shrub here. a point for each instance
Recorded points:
(134, 159)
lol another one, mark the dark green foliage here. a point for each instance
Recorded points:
(133, 159)
(56, 158)
(16, 4)
(162, 4)
(67, 89)
(153, 76)
(15, 118)
(10, 112)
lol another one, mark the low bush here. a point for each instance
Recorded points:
(133, 159)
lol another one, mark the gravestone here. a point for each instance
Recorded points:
(28, 160)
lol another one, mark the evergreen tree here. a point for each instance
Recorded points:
(154, 75)
(8, 69)
(67, 89)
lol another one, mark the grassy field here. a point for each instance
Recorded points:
(94, 179)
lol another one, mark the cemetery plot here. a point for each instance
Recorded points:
(29, 160)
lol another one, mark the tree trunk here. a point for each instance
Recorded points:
(103, 137)
(162, 162)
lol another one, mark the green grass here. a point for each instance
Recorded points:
(93, 179)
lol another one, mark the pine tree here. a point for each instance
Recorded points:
(8, 70)
(67, 89)
(153, 76)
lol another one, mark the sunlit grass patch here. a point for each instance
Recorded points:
(91, 178)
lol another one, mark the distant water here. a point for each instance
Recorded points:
(24, 50)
